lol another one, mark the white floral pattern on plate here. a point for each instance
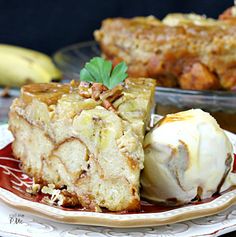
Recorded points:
(208, 226)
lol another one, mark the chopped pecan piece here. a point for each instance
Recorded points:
(113, 94)
(97, 89)
(108, 105)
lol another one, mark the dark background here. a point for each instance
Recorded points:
(49, 25)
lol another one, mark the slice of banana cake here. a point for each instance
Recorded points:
(86, 136)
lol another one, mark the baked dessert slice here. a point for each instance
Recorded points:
(86, 137)
(184, 50)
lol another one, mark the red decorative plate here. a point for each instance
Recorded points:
(13, 184)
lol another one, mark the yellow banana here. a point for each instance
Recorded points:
(19, 66)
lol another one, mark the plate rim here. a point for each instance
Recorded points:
(180, 214)
(112, 220)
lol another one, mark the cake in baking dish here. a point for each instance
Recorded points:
(183, 50)
(86, 137)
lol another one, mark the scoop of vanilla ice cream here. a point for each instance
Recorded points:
(187, 155)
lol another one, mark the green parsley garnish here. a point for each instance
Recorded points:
(100, 71)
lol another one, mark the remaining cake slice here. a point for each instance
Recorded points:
(184, 50)
(86, 137)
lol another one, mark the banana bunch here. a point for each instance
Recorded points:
(19, 66)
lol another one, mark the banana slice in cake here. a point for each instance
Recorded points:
(47, 93)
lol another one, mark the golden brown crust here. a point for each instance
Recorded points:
(198, 77)
(167, 52)
(229, 15)
(134, 205)
(48, 93)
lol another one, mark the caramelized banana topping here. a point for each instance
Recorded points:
(48, 93)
